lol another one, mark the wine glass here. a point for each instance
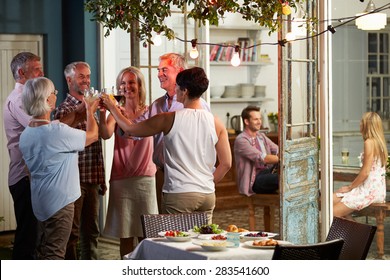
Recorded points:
(118, 95)
(90, 95)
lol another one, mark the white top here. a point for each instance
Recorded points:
(190, 154)
(51, 155)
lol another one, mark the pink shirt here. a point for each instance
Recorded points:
(132, 157)
(15, 121)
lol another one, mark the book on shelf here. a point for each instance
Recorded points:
(256, 51)
(213, 52)
(229, 49)
(243, 42)
(229, 53)
(219, 53)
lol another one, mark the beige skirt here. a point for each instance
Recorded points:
(128, 200)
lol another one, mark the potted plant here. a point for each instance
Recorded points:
(273, 120)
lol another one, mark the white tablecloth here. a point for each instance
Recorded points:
(162, 249)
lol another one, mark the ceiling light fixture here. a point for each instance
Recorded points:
(368, 20)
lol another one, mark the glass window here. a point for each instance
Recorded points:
(384, 43)
(372, 42)
(372, 64)
(384, 63)
(378, 78)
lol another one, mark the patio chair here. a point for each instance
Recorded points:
(357, 238)
(329, 250)
(152, 224)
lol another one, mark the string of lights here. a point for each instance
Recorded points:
(235, 60)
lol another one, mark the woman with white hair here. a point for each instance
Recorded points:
(50, 151)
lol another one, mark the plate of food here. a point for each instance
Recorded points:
(207, 230)
(213, 245)
(176, 235)
(257, 235)
(265, 243)
(212, 236)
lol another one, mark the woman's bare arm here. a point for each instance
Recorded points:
(223, 151)
(158, 123)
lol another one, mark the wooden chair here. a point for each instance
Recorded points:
(329, 250)
(152, 224)
(357, 238)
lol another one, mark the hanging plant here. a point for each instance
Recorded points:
(150, 14)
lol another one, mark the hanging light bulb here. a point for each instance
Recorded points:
(369, 20)
(157, 40)
(194, 52)
(236, 57)
(290, 36)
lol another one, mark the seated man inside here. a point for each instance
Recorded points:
(256, 156)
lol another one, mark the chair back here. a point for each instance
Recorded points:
(357, 238)
(329, 250)
(152, 224)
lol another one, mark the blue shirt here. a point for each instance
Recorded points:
(51, 155)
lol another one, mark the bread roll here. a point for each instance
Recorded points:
(266, 242)
(232, 228)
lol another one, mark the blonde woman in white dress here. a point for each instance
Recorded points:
(369, 185)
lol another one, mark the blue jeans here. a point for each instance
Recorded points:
(26, 224)
(85, 226)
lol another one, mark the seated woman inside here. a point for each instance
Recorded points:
(369, 186)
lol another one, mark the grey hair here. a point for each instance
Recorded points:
(20, 60)
(70, 69)
(176, 60)
(35, 94)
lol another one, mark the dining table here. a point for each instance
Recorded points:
(163, 249)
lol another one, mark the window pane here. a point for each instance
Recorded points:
(384, 43)
(372, 64)
(386, 85)
(372, 43)
(376, 106)
(376, 88)
(384, 64)
(386, 109)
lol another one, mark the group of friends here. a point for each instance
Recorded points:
(57, 167)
